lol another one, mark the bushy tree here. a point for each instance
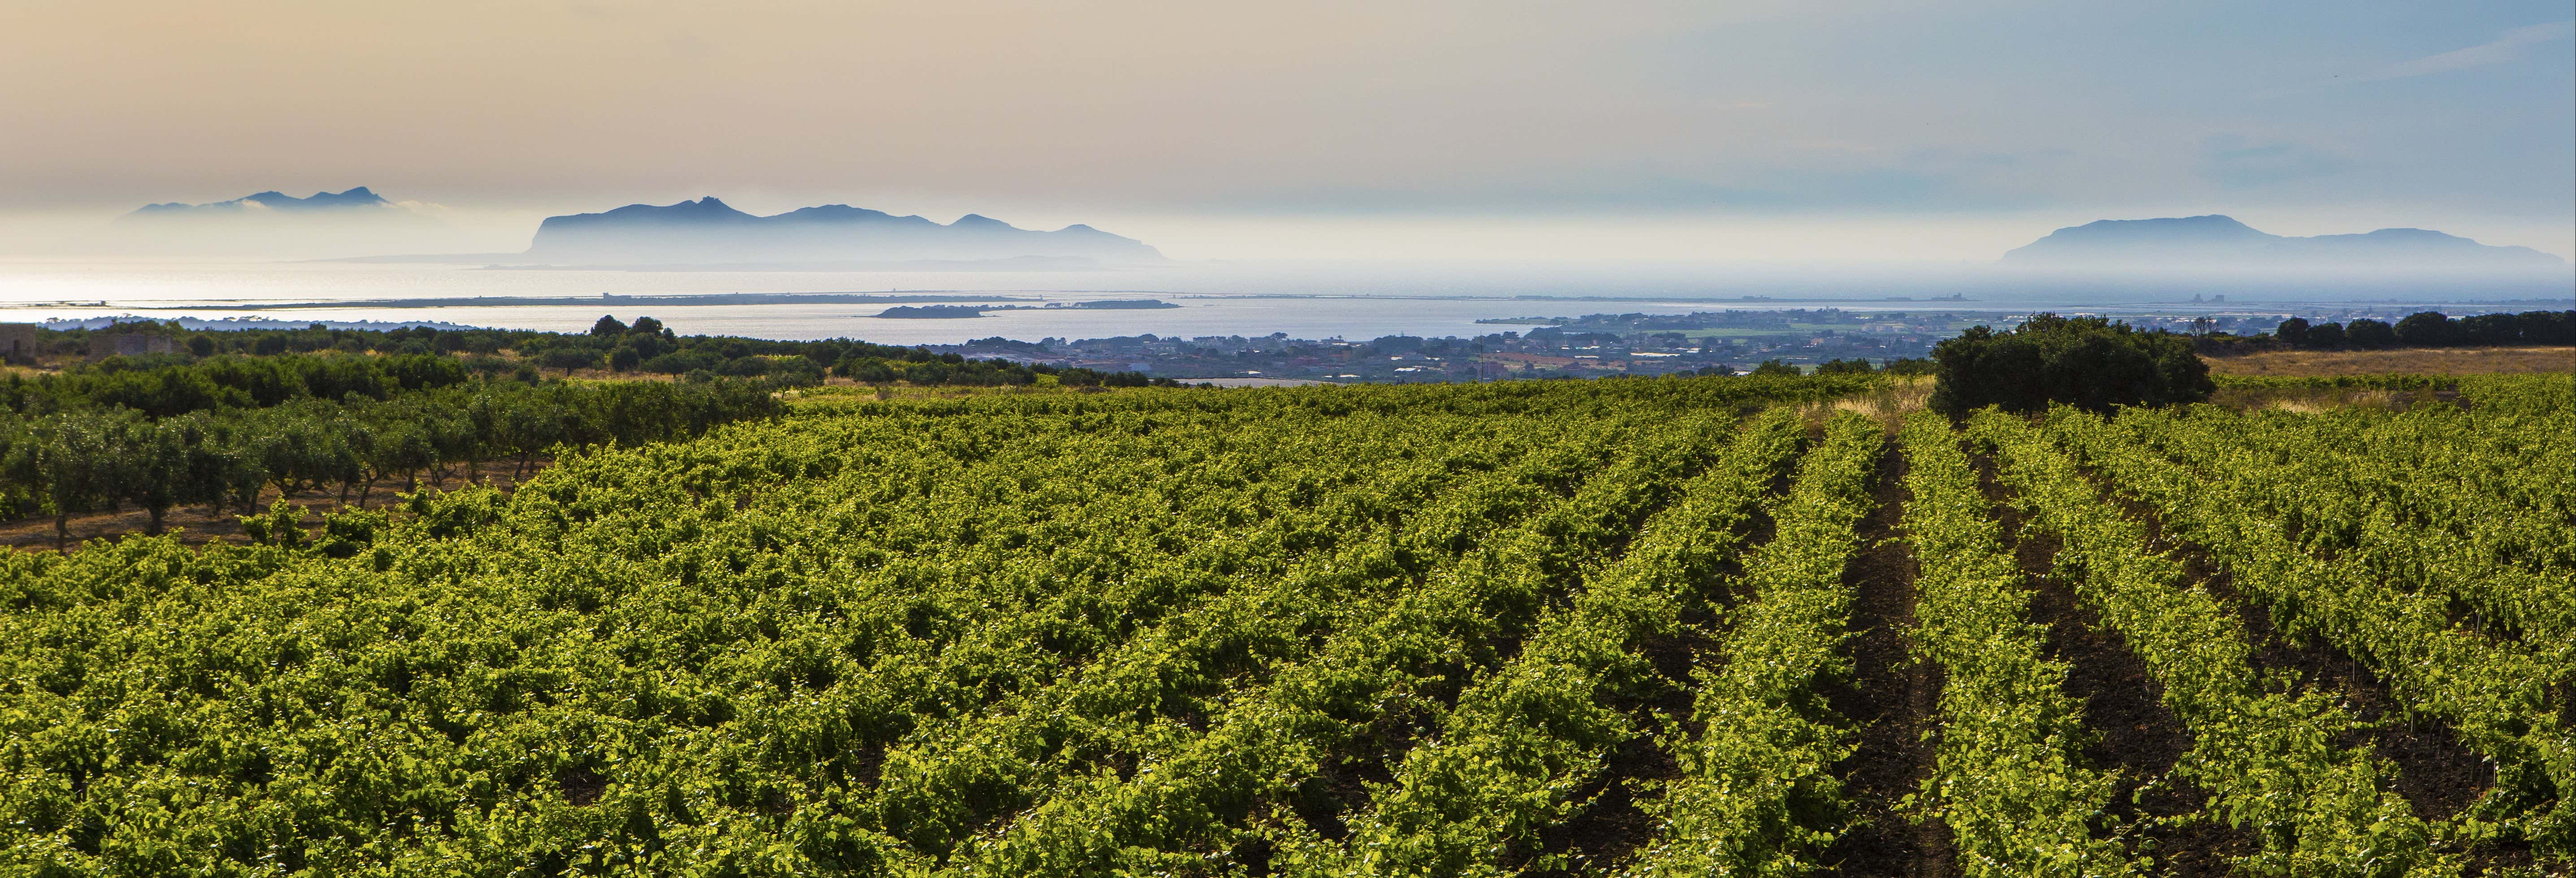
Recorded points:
(569, 358)
(2427, 329)
(154, 466)
(2482, 329)
(2293, 332)
(2088, 362)
(77, 465)
(2369, 334)
(2546, 327)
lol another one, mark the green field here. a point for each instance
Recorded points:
(1638, 627)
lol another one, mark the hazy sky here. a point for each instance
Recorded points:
(1746, 130)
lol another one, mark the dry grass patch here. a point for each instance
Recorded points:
(1888, 404)
(2409, 361)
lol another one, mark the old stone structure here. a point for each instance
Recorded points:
(18, 343)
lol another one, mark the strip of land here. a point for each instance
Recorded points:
(602, 299)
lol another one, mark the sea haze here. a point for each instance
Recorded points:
(1303, 299)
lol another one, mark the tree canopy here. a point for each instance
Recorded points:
(2087, 362)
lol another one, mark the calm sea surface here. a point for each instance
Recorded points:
(1314, 300)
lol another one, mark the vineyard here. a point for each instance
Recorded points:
(1619, 628)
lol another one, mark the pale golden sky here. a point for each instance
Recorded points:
(1341, 124)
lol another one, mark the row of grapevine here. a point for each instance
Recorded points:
(2264, 751)
(2547, 393)
(1377, 665)
(1614, 400)
(1346, 631)
(2010, 779)
(1129, 701)
(881, 635)
(632, 513)
(2434, 498)
(1757, 793)
(2499, 443)
(1522, 741)
(2496, 693)
(624, 521)
(938, 781)
(287, 649)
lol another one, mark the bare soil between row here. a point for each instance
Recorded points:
(1892, 699)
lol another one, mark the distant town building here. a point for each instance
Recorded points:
(18, 342)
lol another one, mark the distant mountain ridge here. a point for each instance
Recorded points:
(271, 200)
(709, 231)
(271, 224)
(2215, 241)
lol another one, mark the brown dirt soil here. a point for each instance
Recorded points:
(2134, 733)
(195, 527)
(2410, 361)
(1892, 698)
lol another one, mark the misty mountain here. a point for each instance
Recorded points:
(2221, 242)
(710, 231)
(269, 224)
(358, 198)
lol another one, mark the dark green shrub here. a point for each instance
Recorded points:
(568, 359)
(2369, 334)
(2292, 332)
(2087, 362)
(2427, 329)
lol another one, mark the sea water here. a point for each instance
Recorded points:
(1304, 300)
